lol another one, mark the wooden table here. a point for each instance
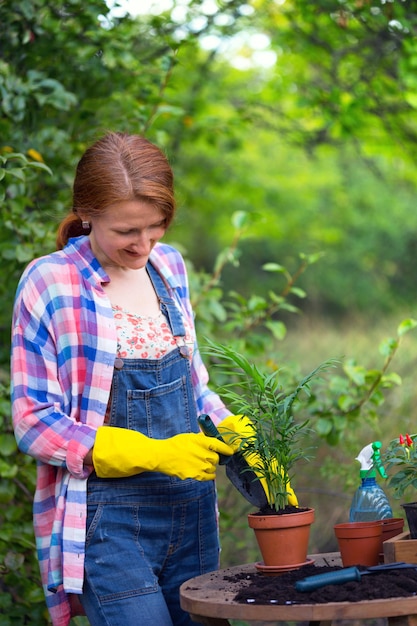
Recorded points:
(209, 600)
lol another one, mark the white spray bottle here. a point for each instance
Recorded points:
(370, 501)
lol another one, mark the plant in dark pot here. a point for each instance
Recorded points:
(271, 442)
(401, 465)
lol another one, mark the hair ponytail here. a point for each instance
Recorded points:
(71, 226)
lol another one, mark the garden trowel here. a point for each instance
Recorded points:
(347, 574)
(238, 471)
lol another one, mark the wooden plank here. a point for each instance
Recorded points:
(400, 548)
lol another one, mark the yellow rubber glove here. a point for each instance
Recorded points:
(236, 427)
(119, 452)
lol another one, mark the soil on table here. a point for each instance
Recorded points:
(259, 588)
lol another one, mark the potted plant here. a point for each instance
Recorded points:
(401, 465)
(275, 443)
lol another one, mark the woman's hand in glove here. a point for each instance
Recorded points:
(234, 429)
(119, 452)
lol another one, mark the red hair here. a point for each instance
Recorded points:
(118, 167)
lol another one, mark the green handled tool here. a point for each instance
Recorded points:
(347, 574)
(238, 471)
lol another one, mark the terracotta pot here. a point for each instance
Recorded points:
(359, 542)
(411, 515)
(283, 539)
(391, 526)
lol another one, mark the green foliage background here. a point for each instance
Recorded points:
(312, 155)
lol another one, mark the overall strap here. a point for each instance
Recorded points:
(168, 306)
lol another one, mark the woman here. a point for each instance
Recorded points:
(107, 386)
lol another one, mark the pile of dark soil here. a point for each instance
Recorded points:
(259, 588)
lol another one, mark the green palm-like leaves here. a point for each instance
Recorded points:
(277, 440)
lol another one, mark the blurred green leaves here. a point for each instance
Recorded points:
(316, 153)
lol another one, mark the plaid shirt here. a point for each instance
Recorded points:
(63, 351)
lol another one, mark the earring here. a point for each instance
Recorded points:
(85, 224)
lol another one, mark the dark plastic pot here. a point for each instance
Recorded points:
(411, 515)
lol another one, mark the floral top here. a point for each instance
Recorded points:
(144, 337)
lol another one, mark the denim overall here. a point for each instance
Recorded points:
(148, 533)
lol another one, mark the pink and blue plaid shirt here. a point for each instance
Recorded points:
(63, 352)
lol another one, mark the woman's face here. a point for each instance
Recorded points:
(124, 235)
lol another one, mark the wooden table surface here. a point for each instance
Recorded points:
(209, 599)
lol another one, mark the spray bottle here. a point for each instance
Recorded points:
(370, 502)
